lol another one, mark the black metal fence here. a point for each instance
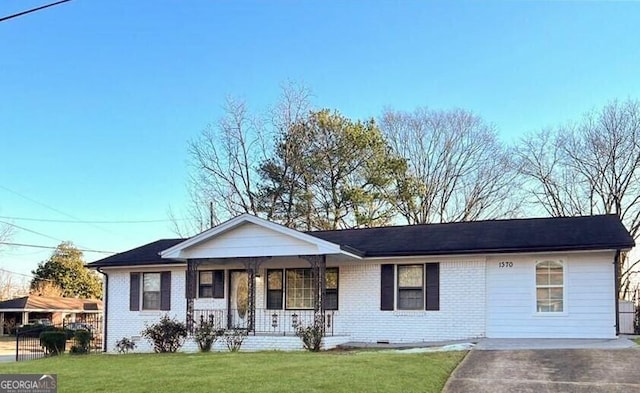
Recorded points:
(279, 322)
(29, 346)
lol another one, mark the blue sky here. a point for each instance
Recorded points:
(98, 99)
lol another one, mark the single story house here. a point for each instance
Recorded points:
(19, 311)
(518, 278)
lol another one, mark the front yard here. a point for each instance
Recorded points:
(366, 371)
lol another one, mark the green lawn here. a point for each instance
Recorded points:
(357, 371)
(637, 340)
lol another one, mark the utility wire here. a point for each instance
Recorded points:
(90, 221)
(53, 248)
(32, 10)
(52, 208)
(16, 273)
(32, 231)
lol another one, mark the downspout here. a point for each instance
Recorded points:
(616, 281)
(106, 309)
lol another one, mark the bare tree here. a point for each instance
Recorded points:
(226, 157)
(458, 170)
(590, 167)
(12, 286)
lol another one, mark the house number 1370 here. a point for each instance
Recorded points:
(505, 264)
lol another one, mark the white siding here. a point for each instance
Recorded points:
(589, 307)
(250, 240)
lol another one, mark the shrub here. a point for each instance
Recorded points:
(234, 339)
(82, 340)
(53, 342)
(167, 335)
(124, 345)
(311, 336)
(206, 335)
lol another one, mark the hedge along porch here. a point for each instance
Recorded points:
(395, 284)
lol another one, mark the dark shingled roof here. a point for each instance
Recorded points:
(495, 236)
(476, 237)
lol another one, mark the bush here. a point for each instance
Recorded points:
(311, 336)
(82, 340)
(124, 345)
(206, 335)
(53, 342)
(167, 335)
(234, 339)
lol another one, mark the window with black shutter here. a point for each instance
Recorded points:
(410, 287)
(211, 284)
(165, 291)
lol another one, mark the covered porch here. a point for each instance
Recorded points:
(261, 277)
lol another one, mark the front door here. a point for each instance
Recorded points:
(238, 299)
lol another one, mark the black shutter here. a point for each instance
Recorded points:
(433, 286)
(218, 284)
(191, 283)
(165, 291)
(134, 291)
(387, 279)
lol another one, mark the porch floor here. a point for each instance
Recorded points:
(407, 345)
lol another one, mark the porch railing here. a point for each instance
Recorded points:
(277, 322)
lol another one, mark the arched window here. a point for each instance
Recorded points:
(549, 286)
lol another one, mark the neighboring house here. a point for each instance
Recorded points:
(541, 277)
(19, 311)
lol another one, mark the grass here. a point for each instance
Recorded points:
(637, 340)
(357, 371)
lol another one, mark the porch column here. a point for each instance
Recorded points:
(191, 282)
(251, 265)
(318, 272)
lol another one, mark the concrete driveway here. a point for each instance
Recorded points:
(547, 370)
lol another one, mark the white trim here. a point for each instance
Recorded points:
(324, 246)
(77, 311)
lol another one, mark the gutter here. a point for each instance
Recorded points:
(616, 282)
(105, 308)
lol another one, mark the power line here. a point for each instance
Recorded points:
(90, 221)
(53, 248)
(51, 208)
(32, 231)
(32, 10)
(16, 273)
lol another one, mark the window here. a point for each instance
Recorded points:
(298, 289)
(274, 289)
(549, 286)
(331, 289)
(155, 289)
(211, 284)
(151, 291)
(205, 284)
(410, 287)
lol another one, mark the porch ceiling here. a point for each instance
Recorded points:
(250, 236)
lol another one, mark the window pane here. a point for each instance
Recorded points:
(151, 301)
(274, 299)
(151, 282)
(410, 276)
(331, 278)
(542, 278)
(331, 299)
(410, 299)
(555, 276)
(274, 279)
(206, 291)
(206, 278)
